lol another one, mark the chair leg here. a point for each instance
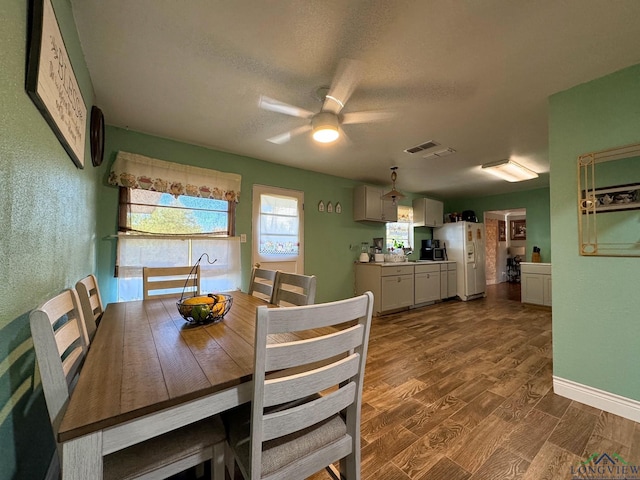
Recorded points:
(218, 460)
(229, 460)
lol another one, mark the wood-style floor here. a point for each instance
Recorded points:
(463, 390)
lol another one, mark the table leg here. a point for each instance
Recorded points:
(82, 457)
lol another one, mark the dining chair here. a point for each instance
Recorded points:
(262, 283)
(61, 342)
(307, 392)
(294, 289)
(91, 302)
(164, 282)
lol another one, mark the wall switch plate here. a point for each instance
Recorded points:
(243, 238)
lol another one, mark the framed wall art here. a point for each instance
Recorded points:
(51, 82)
(502, 231)
(518, 229)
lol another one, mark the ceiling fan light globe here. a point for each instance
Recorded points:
(325, 134)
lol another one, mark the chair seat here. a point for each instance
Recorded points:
(164, 451)
(280, 452)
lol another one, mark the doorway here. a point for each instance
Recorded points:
(499, 245)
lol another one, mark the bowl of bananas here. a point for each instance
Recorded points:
(205, 309)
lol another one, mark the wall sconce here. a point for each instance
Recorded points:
(509, 170)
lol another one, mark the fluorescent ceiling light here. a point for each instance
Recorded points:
(325, 127)
(509, 170)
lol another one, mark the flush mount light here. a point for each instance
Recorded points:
(325, 127)
(509, 170)
(394, 195)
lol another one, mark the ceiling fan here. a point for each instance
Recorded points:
(326, 124)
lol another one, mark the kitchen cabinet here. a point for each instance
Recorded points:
(368, 205)
(427, 212)
(392, 285)
(452, 279)
(427, 283)
(535, 283)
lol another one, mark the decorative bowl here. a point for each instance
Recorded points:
(205, 309)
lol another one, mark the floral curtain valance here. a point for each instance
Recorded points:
(137, 171)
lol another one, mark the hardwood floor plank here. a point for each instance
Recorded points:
(552, 463)
(530, 434)
(478, 409)
(503, 465)
(553, 404)
(472, 450)
(574, 430)
(616, 428)
(445, 469)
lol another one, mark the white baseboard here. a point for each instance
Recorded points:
(53, 472)
(609, 402)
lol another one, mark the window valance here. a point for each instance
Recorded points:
(137, 171)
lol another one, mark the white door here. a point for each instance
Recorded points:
(278, 229)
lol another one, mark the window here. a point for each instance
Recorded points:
(147, 211)
(159, 229)
(400, 233)
(278, 225)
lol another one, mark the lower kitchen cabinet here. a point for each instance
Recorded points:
(535, 283)
(452, 280)
(427, 283)
(397, 292)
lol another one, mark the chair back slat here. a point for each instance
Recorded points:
(67, 335)
(165, 282)
(91, 303)
(294, 289)
(262, 283)
(301, 385)
(278, 424)
(287, 355)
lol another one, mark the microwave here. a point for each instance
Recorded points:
(432, 254)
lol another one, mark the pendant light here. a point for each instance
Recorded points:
(394, 195)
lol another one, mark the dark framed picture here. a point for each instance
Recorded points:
(518, 229)
(502, 231)
(51, 82)
(616, 197)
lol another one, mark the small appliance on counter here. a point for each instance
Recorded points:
(431, 250)
(364, 253)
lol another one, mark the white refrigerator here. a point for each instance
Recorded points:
(464, 244)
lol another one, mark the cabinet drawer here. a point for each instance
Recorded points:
(399, 270)
(428, 268)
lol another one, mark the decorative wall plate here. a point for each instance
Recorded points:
(96, 136)
(321, 206)
(329, 207)
(338, 208)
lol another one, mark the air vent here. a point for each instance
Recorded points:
(440, 153)
(423, 146)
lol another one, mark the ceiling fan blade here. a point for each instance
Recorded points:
(343, 85)
(272, 105)
(285, 137)
(366, 116)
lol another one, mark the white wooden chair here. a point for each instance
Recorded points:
(57, 326)
(307, 394)
(91, 303)
(294, 289)
(163, 282)
(262, 283)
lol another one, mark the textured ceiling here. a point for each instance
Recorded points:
(472, 75)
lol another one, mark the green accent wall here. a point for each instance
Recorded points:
(332, 241)
(595, 299)
(47, 240)
(536, 203)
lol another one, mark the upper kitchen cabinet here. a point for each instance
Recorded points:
(369, 205)
(427, 212)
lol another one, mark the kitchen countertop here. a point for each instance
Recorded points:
(396, 264)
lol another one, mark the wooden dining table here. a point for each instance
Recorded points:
(148, 372)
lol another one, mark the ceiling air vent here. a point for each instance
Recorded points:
(422, 146)
(440, 153)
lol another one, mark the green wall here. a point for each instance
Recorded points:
(596, 302)
(538, 215)
(332, 241)
(47, 241)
